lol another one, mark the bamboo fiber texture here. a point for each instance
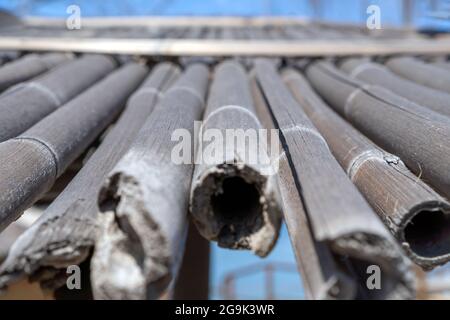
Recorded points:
(28, 67)
(337, 212)
(377, 74)
(144, 200)
(322, 278)
(395, 193)
(25, 104)
(419, 136)
(421, 72)
(65, 234)
(233, 191)
(31, 163)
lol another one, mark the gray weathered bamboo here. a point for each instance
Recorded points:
(338, 214)
(377, 74)
(30, 163)
(28, 67)
(419, 136)
(421, 72)
(25, 104)
(411, 210)
(442, 64)
(321, 277)
(232, 194)
(65, 234)
(144, 201)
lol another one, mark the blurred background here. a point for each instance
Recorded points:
(419, 13)
(241, 275)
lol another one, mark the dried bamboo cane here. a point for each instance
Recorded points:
(418, 71)
(444, 64)
(232, 195)
(377, 74)
(419, 136)
(30, 163)
(412, 211)
(338, 214)
(321, 276)
(65, 234)
(25, 104)
(28, 67)
(144, 201)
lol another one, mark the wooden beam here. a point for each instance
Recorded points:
(192, 47)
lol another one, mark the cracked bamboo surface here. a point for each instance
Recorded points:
(65, 234)
(50, 146)
(396, 194)
(233, 191)
(25, 104)
(377, 74)
(339, 215)
(144, 201)
(28, 67)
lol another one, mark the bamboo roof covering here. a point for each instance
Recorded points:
(86, 124)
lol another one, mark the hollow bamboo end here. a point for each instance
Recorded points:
(131, 258)
(235, 206)
(425, 234)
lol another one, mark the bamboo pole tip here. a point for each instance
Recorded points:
(424, 234)
(131, 259)
(236, 207)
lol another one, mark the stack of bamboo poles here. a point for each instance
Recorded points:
(362, 179)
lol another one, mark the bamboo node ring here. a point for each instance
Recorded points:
(363, 67)
(231, 107)
(190, 90)
(304, 129)
(352, 96)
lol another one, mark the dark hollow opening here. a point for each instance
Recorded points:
(428, 234)
(238, 201)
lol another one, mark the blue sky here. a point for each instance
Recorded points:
(337, 10)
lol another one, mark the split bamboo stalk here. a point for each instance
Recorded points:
(66, 232)
(338, 214)
(233, 193)
(30, 163)
(421, 72)
(321, 276)
(411, 210)
(25, 104)
(28, 67)
(377, 74)
(419, 136)
(144, 201)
